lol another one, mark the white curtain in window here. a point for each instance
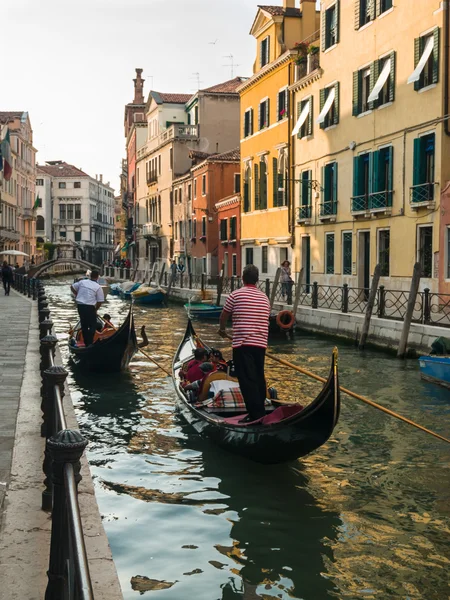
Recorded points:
(328, 104)
(302, 118)
(415, 76)
(380, 82)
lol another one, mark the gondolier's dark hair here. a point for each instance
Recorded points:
(250, 274)
(95, 274)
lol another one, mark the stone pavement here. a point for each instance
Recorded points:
(15, 312)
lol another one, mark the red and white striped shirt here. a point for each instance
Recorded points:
(250, 309)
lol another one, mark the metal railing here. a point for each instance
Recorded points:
(68, 573)
(423, 192)
(372, 201)
(328, 209)
(304, 212)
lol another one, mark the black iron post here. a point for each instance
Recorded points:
(29, 287)
(203, 282)
(345, 298)
(190, 281)
(43, 314)
(232, 279)
(66, 447)
(426, 306)
(45, 328)
(181, 280)
(268, 287)
(315, 295)
(48, 344)
(165, 278)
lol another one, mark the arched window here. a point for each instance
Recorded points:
(40, 223)
(247, 188)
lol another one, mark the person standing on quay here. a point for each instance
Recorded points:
(7, 277)
(249, 308)
(89, 297)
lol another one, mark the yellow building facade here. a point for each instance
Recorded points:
(371, 156)
(266, 123)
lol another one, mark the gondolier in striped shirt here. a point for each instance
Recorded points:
(249, 308)
(89, 297)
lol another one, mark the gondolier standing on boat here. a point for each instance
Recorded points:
(89, 297)
(249, 308)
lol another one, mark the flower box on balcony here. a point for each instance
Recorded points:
(203, 238)
(224, 242)
(193, 239)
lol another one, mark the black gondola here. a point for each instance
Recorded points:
(109, 355)
(286, 433)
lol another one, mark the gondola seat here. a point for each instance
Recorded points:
(276, 416)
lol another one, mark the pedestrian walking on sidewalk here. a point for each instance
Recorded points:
(89, 297)
(7, 277)
(250, 311)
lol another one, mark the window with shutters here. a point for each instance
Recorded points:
(256, 185)
(78, 236)
(77, 211)
(430, 71)
(265, 51)
(62, 212)
(365, 90)
(425, 250)
(361, 182)
(423, 186)
(329, 253)
(347, 257)
(248, 122)
(330, 22)
(223, 230)
(249, 256)
(386, 65)
(279, 171)
(365, 12)
(190, 191)
(264, 259)
(203, 185)
(233, 228)
(203, 227)
(237, 183)
(329, 106)
(282, 109)
(305, 208)
(329, 190)
(262, 185)
(195, 188)
(307, 126)
(247, 189)
(384, 244)
(264, 120)
(384, 6)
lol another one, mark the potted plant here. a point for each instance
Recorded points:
(300, 60)
(301, 47)
(313, 49)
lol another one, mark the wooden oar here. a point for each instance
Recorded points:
(156, 363)
(358, 397)
(391, 413)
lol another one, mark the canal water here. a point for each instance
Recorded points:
(367, 516)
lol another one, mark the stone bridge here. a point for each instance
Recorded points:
(38, 270)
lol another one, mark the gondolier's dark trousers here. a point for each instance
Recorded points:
(88, 319)
(249, 365)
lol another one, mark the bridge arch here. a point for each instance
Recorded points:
(38, 270)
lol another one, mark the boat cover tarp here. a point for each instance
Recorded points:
(441, 346)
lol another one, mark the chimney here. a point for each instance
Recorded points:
(139, 88)
(101, 178)
(288, 3)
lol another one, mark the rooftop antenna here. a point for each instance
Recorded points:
(196, 76)
(232, 64)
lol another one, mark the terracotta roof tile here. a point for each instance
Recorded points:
(61, 169)
(230, 155)
(280, 11)
(227, 87)
(161, 97)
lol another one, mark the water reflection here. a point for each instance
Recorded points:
(367, 516)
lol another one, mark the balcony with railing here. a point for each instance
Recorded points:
(304, 214)
(150, 230)
(328, 211)
(372, 203)
(27, 214)
(152, 178)
(179, 131)
(422, 195)
(8, 234)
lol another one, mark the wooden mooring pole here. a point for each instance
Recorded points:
(220, 284)
(369, 307)
(298, 291)
(275, 287)
(415, 281)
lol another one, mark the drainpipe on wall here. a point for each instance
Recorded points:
(446, 65)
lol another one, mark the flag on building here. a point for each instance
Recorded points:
(6, 156)
(37, 203)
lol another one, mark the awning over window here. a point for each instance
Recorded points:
(380, 82)
(328, 104)
(301, 120)
(423, 61)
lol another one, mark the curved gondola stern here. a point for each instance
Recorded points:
(337, 389)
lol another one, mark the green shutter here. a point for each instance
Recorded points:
(374, 73)
(357, 14)
(324, 30)
(328, 190)
(246, 197)
(356, 93)
(275, 181)
(268, 111)
(391, 169)
(356, 169)
(371, 171)
(299, 110)
(335, 182)
(309, 193)
(336, 104)
(392, 76)
(375, 158)
(256, 186)
(417, 48)
(310, 116)
(417, 172)
(322, 102)
(338, 10)
(323, 185)
(436, 55)
(262, 185)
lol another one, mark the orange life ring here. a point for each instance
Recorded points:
(284, 323)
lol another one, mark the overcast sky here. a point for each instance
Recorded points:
(70, 64)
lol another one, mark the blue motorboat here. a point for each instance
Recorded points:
(126, 289)
(200, 310)
(149, 296)
(115, 289)
(435, 369)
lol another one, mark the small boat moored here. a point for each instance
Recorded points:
(287, 432)
(435, 369)
(149, 296)
(203, 310)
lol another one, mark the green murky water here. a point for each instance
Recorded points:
(367, 516)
